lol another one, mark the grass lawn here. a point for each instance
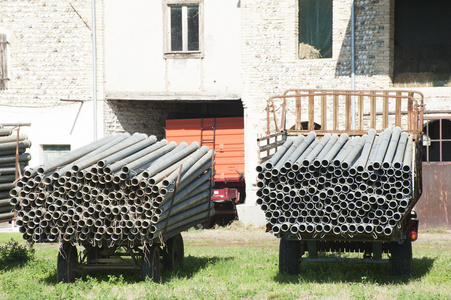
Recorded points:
(238, 262)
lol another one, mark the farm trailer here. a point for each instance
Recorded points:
(124, 198)
(342, 182)
(226, 137)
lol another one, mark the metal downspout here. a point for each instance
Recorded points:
(94, 68)
(352, 63)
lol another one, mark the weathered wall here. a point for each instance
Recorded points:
(270, 63)
(434, 206)
(134, 53)
(50, 58)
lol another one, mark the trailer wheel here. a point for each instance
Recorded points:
(66, 263)
(289, 256)
(150, 265)
(92, 254)
(401, 258)
(173, 253)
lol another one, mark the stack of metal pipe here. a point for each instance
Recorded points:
(338, 184)
(10, 145)
(122, 188)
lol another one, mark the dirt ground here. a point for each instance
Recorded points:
(234, 235)
(239, 235)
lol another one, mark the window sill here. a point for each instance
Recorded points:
(183, 55)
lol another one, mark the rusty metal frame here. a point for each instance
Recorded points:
(276, 116)
(440, 140)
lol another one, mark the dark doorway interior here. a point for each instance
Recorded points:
(422, 41)
(149, 116)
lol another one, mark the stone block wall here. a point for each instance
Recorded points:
(270, 63)
(49, 51)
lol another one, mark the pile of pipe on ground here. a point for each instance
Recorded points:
(122, 188)
(9, 142)
(337, 184)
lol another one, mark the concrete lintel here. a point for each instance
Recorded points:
(171, 96)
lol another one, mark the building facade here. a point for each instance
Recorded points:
(390, 52)
(47, 77)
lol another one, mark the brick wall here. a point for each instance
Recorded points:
(270, 63)
(49, 51)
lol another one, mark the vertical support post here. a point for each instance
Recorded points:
(385, 110)
(298, 111)
(323, 112)
(348, 111)
(335, 112)
(360, 112)
(311, 111)
(373, 111)
(398, 110)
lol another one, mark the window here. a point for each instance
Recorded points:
(53, 151)
(437, 140)
(184, 28)
(3, 65)
(315, 29)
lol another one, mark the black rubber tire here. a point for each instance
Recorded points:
(174, 253)
(66, 263)
(289, 256)
(401, 258)
(150, 265)
(93, 253)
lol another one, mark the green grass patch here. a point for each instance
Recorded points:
(218, 269)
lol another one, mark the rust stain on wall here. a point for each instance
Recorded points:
(434, 206)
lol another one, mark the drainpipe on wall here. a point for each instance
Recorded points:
(352, 64)
(94, 68)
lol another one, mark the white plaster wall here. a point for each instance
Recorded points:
(134, 60)
(53, 125)
(49, 59)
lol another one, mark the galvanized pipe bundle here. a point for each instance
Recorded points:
(338, 184)
(10, 145)
(122, 188)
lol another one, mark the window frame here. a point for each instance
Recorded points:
(3, 61)
(185, 53)
(427, 140)
(299, 34)
(46, 153)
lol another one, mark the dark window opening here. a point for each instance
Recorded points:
(422, 41)
(193, 28)
(315, 29)
(51, 152)
(176, 29)
(184, 28)
(437, 140)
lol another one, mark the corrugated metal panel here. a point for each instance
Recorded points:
(434, 206)
(229, 141)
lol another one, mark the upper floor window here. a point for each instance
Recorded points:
(315, 29)
(3, 62)
(184, 28)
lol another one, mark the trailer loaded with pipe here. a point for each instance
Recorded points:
(349, 186)
(124, 198)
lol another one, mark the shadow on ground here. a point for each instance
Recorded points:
(333, 272)
(192, 265)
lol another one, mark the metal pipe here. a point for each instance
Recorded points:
(300, 149)
(391, 149)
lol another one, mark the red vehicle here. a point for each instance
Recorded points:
(226, 137)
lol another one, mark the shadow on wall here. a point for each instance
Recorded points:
(149, 117)
(365, 43)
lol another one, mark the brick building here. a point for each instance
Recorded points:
(158, 60)
(47, 72)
